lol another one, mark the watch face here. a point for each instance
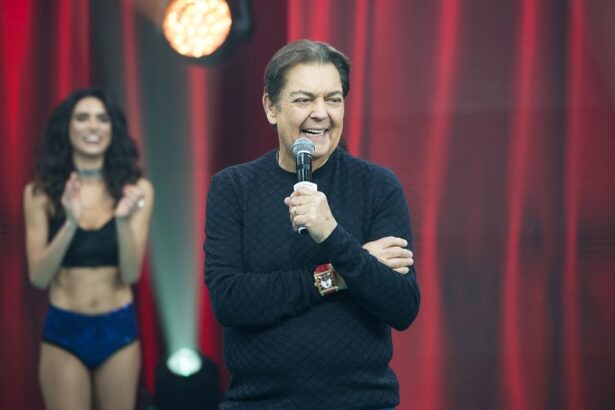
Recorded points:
(325, 282)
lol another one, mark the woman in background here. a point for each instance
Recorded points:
(87, 219)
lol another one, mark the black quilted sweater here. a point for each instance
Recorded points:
(286, 346)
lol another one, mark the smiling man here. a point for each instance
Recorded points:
(311, 105)
(307, 318)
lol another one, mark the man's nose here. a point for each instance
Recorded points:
(319, 109)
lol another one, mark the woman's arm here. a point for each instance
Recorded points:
(132, 222)
(44, 258)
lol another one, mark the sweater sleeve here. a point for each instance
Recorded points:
(239, 297)
(387, 294)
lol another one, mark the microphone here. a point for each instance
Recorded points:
(303, 149)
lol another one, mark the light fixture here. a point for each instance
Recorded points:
(184, 362)
(205, 31)
(187, 380)
(200, 28)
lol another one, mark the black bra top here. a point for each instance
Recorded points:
(89, 247)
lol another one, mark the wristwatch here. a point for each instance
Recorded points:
(325, 279)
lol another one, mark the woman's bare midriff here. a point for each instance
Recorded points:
(89, 290)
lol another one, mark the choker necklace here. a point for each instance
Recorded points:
(89, 173)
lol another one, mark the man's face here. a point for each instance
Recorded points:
(311, 105)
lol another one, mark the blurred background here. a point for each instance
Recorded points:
(497, 116)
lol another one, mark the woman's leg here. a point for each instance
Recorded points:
(116, 379)
(65, 381)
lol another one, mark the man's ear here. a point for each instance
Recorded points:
(270, 109)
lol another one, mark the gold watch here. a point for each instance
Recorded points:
(325, 279)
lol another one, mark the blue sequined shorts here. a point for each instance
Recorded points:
(92, 338)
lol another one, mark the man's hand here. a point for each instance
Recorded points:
(311, 209)
(391, 251)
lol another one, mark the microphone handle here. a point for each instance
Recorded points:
(302, 230)
(304, 166)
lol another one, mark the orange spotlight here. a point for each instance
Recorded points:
(197, 28)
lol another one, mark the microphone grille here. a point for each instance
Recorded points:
(303, 145)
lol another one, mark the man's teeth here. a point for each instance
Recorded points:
(314, 132)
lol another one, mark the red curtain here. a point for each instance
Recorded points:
(45, 53)
(496, 115)
(43, 56)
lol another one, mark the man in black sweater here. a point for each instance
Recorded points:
(307, 318)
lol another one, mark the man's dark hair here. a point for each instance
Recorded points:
(303, 52)
(56, 162)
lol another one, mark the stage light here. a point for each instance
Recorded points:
(184, 362)
(197, 28)
(206, 31)
(187, 380)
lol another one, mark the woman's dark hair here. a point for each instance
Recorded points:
(56, 160)
(303, 52)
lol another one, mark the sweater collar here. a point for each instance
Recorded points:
(272, 158)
